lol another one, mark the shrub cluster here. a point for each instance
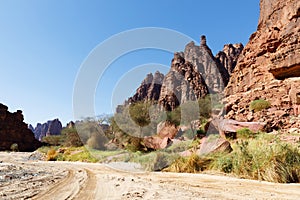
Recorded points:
(258, 105)
(51, 155)
(260, 158)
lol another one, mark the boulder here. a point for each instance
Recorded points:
(214, 144)
(166, 130)
(156, 143)
(210, 144)
(222, 126)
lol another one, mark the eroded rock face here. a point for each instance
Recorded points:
(149, 89)
(194, 73)
(213, 72)
(268, 67)
(229, 56)
(14, 131)
(51, 127)
(181, 84)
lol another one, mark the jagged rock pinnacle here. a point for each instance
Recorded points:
(203, 40)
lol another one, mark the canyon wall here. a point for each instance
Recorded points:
(269, 67)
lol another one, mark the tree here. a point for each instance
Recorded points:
(189, 113)
(205, 106)
(139, 113)
(174, 116)
(54, 140)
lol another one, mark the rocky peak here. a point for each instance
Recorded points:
(269, 66)
(51, 127)
(148, 79)
(149, 88)
(182, 83)
(177, 60)
(215, 75)
(203, 40)
(70, 125)
(30, 127)
(193, 74)
(14, 131)
(229, 56)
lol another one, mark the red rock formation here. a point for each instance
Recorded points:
(210, 144)
(149, 89)
(14, 131)
(213, 72)
(269, 67)
(181, 84)
(229, 56)
(223, 126)
(214, 144)
(156, 143)
(193, 75)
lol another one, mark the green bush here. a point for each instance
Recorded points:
(190, 134)
(134, 144)
(139, 113)
(174, 116)
(264, 157)
(180, 146)
(54, 140)
(155, 161)
(258, 105)
(138, 119)
(77, 154)
(245, 133)
(205, 106)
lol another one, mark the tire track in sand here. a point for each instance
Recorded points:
(65, 189)
(87, 192)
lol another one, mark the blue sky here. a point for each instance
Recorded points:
(44, 42)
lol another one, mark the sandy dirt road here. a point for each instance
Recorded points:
(23, 179)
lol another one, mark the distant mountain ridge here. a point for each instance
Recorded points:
(51, 127)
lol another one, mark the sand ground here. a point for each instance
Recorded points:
(21, 178)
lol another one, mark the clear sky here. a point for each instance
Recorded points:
(44, 42)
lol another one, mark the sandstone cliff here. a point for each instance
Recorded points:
(182, 83)
(228, 57)
(14, 131)
(269, 67)
(194, 73)
(213, 72)
(149, 89)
